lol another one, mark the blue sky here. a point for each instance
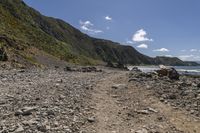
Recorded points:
(154, 27)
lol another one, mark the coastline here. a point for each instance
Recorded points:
(183, 70)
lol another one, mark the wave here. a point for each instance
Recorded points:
(180, 69)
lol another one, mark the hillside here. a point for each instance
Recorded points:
(173, 61)
(26, 36)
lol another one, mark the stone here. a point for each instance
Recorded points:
(135, 69)
(67, 68)
(152, 110)
(20, 129)
(145, 112)
(91, 119)
(198, 85)
(133, 79)
(25, 111)
(42, 128)
(141, 131)
(119, 86)
(171, 73)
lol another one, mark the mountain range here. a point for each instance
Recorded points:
(29, 38)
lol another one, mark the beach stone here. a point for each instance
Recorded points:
(119, 86)
(141, 131)
(25, 111)
(20, 129)
(198, 85)
(91, 119)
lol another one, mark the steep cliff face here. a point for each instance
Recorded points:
(26, 34)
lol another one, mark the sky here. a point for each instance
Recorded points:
(154, 27)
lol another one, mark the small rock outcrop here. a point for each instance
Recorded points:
(171, 73)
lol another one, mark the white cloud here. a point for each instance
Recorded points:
(108, 18)
(168, 55)
(88, 27)
(161, 50)
(183, 50)
(189, 57)
(107, 28)
(140, 36)
(186, 57)
(129, 42)
(144, 46)
(193, 50)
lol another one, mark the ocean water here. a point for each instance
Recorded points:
(192, 70)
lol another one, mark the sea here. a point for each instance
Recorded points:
(190, 70)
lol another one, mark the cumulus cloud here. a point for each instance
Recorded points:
(108, 18)
(140, 36)
(168, 55)
(107, 28)
(189, 57)
(143, 46)
(183, 50)
(88, 27)
(193, 50)
(186, 57)
(129, 42)
(161, 50)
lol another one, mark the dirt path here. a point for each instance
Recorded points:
(131, 109)
(107, 110)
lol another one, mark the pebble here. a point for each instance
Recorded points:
(91, 119)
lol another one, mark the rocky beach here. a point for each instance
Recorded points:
(97, 100)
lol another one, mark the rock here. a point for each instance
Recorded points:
(22, 71)
(20, 129)
(198, 85)
(50, 112)
(133, 79)
(135, 69)
(162, 72)
(25, 111)
(172, 96)
(141, 131)
(152, 110)
(67, 68)
(119, 86)
(110, 64)
(18, 112)
(91, 119)
(30, 122)
(171, 73)
(144, 112)
(42, 128)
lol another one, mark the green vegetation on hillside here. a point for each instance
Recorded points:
(23, 28)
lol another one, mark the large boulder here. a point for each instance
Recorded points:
(170, 72)
(173, 74)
